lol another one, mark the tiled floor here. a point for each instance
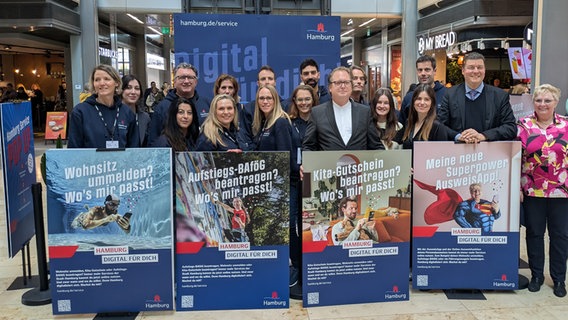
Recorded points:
(422, 305)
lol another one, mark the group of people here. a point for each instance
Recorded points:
(336, 117)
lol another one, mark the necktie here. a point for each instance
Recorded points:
(472, 94)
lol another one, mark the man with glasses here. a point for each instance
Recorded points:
(98, 216)
(474, 111)
(185, 82)
(359, 82)
(341, 124)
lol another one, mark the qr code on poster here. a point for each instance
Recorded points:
(313, 298)
(64, 305)
(422, 280)
(187, 301)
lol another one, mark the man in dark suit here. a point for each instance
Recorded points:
(341, 124)
(474, 111)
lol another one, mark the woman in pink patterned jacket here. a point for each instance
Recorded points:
(544, 184)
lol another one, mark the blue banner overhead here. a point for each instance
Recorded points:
(240, 44)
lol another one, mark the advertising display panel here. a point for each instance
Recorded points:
(110, 230)
(232, 230)
(356, 227)
(466, 215)
(18, 163)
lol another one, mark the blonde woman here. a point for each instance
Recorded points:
(273, 131)
(220, 130)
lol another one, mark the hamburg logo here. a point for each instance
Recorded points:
(274, 300)
(319, 33)
(157, 303)
(504, 283)
(395, 294)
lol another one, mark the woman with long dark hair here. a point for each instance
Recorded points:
(385, 119)
(422, 124)
(131, 94)
(182, 127)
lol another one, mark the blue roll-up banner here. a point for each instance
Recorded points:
(232, 230)
(355, 250)
(98, 263)
(240, 44)
(18, 162)
(466, 215)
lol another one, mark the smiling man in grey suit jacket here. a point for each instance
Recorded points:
(474, 111)
(341, 124)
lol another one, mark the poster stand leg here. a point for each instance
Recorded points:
(42, 295)
(26, 280)
(523, 281)
(116, 315)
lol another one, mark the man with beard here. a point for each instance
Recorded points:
(426, 70)
(359, 82)
(310, 75)
(351, 229)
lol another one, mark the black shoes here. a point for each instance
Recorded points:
(559, 289)
(296, 291)
(535, 284)
(295, 284)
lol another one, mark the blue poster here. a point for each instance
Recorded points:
(110, 230)
(356, 227)
(466, 215)
(18, 163)
(232, 229)
(240, 45)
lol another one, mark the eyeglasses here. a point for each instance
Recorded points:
(182, 112)
(185, 78)
(268, 98)
(545, 101)
(341, 83)
(302, 100)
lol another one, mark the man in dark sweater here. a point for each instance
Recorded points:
(474, 111)
(426, 70)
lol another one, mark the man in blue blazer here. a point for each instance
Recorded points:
(341, 124)
(474, 111)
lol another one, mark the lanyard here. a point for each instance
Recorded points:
(111, 133)
(228, 135)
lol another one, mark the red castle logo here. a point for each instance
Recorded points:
(321, 27)
(274, 295)
(504, 277)
(157, 298)
(395, 289)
